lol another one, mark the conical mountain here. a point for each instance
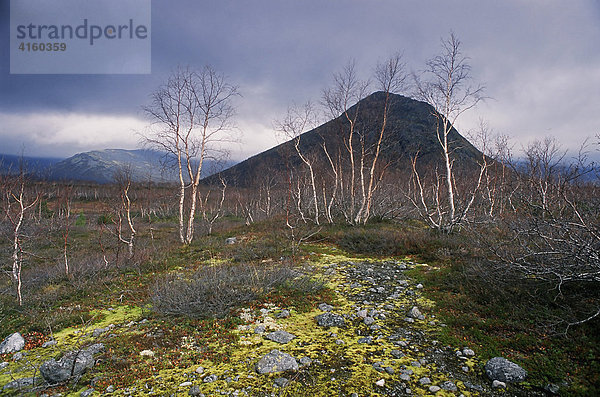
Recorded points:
(411, 129)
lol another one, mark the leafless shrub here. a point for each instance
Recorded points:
(213, 291)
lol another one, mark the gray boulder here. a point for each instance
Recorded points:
(23, 382)
(12, 343)
(416, 313)
(280, 336)
(71, 364)
(499, 368)
(330, 320)
(276, 361)
(325, 307)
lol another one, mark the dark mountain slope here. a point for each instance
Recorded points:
(410, 129)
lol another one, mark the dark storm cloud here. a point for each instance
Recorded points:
(538, 59)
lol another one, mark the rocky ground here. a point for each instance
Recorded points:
(376, 337)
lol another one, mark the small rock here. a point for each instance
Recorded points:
(362, 313)
(280, 336)
(397, 353)
(496, 384)
(185, 384)
(23, 382)
(425, 381)
(4, 365)
(330, 320)
(17, 356)
(12, 343)
(110, 389)
(390, 370)
(448, 385)
(284, 314)
(276, 361)
(416, 313)
(210, 378)
(405, 377)
(147, 353)
(369, 320)
(49, 343)
(200, 370)
(305, 361)
(325, 307)
(194, 391)
(499, 368)
(260, 329)
(380, 382)
(339, 342)
(468, 352)
(434, 389)
(420, 286)
(231, 240)
(87, 393)
(552, 388)
(367, 340)
(465, 368)
(281, 382)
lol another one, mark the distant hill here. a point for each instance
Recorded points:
(410, 128)
(32, 165)
(100, 166)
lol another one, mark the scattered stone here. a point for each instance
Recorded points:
(448, 385)
(147, 353)
(499, 368)
(330, 320)
(23, 382)
(415, 313)
(280, 336)
(87, 393)
(367, 340)
(71, 364)
(380, 382)
(397, 353)
(362, 313)
(409, 320)
(339, 342)
(260, 329)
(434, 389)
(465, 368)
(468, 352)
(281, 382)
(325, 307)
(17, 356)
(496, 384)
(12, 343)
(425, 381)
(110, 389)
(49, 343)
(405, 377)
(552, 388)
(200, 370)
(390, 370)
(195, 391)
(420, 286)
(231, 240)
(185, 384)
(276, 361)
(4, 365)
(305, 361)
(471, 386)
(369, 320)
(99, 331)
(210, 378)
(284, 314)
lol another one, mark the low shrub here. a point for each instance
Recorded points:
(213, 291)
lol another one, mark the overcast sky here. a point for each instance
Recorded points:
(540, 62)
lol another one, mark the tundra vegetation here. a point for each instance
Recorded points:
(501, 254)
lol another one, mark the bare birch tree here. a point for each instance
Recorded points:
(446, 86)
(298, 120)
(194, 113)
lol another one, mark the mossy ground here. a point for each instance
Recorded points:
(229, 350)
